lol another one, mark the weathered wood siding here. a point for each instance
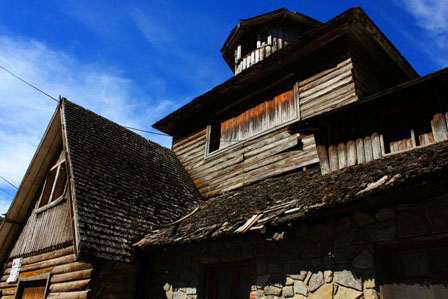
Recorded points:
(69, 278)
(247, 162)
(371, 147)
(327, 90)
(47, 229)
(264, 116)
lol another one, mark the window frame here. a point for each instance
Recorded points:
(60, 177)
(26, 280)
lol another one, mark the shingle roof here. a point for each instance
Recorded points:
(124, 184)
(298, 195)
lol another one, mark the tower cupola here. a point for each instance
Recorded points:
(254, 39)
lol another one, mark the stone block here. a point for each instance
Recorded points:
(311, 250)
(362, 218)
(321, 232)
(328, 276)
(344, 238)
(370, 294)
(316, 280)
(270, 290)
(343, 224)
(289, 281)
(385, 214)
(326, 291)
(384, 231)
(190, 291)
(277, 280)
(167, 287)
(411, 223)
(262, 280)
(179, 295)
(437, 217)
(347, 254)
(346, 293)
(300, 287)
(301, 276)
(348, 279)
(364, 260)
(288, 292)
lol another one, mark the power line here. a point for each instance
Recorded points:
(131, 128)
(6, 192)
(29, 84)
(8, 182)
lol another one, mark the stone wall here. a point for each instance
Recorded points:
(332, 259)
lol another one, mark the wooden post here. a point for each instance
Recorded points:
(439, 127)
(351, 153)
(360, 151)
(383, 148)
(238, 52)
(323, 159)
(368, 148)
(342, 155)
(376, 146)
(333, 154)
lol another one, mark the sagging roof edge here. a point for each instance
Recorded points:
(355, 12)
(25, 195)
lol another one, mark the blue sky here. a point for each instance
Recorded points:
(136, 61)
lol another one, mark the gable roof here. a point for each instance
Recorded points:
(24, 198)
(124, 185)
(299, 195)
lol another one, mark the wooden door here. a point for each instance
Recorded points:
(32, 289)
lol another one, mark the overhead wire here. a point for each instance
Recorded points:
(127, 127)
(1, 189)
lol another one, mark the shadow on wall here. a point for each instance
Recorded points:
(335, 259)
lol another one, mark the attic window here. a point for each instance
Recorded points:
(55, 184)
(261, 117)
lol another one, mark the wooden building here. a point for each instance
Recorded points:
(320, 170)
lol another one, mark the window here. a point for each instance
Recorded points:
(416, 270)
(231, 281)
(263, 115)
(55, 184)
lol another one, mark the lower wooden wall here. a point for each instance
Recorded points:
(69, 278)
(361, 150)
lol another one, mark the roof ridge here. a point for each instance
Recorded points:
(66, 101)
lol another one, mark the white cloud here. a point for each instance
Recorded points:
(432, 17)
(25, 113)
(154, 32)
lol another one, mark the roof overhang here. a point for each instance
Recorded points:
(345, 25)
(26, 194)
(246, 26)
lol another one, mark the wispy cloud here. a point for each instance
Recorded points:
(432, 17)
(154, 31)
(25, 113)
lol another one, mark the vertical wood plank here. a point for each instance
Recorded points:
(368, 148)
(238, 52)
(333, 155)
(351, 153)
(297, 98)
(323, 159)
(383, 148)
(361, 157)
(439, 127)
(376, 146)
(413, 140)
(342, 155)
